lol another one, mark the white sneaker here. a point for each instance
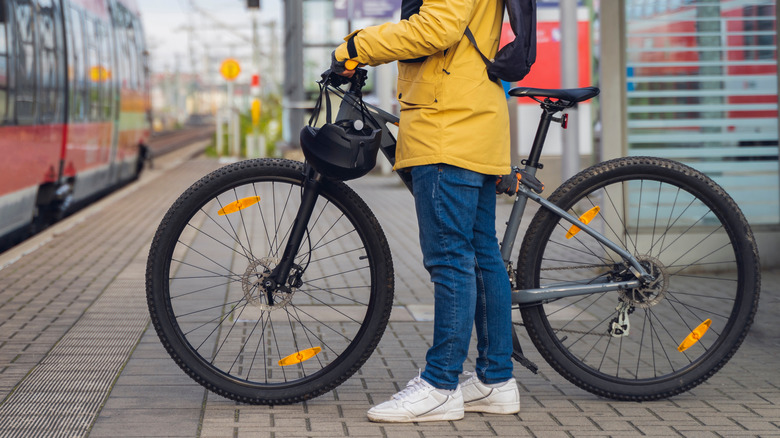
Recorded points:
(478, 397)
(419, 401)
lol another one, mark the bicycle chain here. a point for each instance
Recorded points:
(576, 332)
(574, 267)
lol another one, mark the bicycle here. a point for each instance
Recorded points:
(270, 284)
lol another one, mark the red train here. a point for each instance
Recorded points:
(74, 105)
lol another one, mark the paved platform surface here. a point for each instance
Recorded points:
(78, 356)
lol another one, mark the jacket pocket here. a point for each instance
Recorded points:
(415, 93)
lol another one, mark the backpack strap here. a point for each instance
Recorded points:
(470, 36)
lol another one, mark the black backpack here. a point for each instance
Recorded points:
(514, 60)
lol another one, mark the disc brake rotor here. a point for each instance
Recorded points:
(252, 285)
(651, 293)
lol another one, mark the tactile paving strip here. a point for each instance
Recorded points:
(80, 304)
(64, 393)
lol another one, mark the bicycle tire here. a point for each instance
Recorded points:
(209, 256)
(689, 233)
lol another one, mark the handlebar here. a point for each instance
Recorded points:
(357, 81)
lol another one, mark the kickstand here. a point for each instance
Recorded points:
(517, 354)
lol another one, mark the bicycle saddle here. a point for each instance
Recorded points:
(571, 95)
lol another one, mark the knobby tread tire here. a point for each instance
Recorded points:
(223, 384)
(532, 249)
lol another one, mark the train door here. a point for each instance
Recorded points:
(90, 150)
(132, 116)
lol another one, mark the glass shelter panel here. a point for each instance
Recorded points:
(702, 89)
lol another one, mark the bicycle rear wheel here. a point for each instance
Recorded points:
(208, 259)
(688, 233)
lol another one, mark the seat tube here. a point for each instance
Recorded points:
(541, 134)
(531, 165)
(512, 227)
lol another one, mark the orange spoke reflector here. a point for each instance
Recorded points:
(299, 356)
(695, 335)
(585, 219)
(239, 205)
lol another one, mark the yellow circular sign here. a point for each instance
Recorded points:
(98, 73)
(230, 69)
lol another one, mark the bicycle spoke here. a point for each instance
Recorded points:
(226, 319)
(656, 331)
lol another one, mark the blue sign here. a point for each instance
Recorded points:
(356, 9)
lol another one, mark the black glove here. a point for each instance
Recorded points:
(508, 184)
(336, 66)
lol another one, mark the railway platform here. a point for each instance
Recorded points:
(78, 356)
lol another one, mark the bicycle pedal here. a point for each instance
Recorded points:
(531, 181)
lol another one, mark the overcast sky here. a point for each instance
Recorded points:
(166, 22)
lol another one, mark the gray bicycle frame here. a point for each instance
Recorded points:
(349, 110)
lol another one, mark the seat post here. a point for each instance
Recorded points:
(541, 135)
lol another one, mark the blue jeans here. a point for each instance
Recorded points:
(456, 210)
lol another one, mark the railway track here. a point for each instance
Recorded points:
(165, 142)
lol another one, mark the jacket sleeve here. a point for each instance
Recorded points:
(439, 25)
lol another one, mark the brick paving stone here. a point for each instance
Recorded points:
(44, 297)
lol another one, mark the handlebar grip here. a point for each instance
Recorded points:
(350, 64)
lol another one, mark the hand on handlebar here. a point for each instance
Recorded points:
(344, 68)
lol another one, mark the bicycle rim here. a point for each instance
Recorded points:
(663, 338)
(218, 244)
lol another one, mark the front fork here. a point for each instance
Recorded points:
(280, 277)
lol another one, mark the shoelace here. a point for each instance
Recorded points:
(414, 385)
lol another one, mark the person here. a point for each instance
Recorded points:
(454, 139)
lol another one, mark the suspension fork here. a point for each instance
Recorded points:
(280, 276)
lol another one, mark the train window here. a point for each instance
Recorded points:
(106, 66)
(76, 63)
(3, 63)
(51, 63)
(132, 54)
(140, 47)
(26, 61)
(121, 45)
(93, 61)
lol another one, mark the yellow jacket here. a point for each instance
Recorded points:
(450, 111)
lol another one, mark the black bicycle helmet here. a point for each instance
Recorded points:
(340, 150)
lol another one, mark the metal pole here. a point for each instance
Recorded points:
(220, 135)
(570, 161)
(293, 71)
(384, 90)
(231, 120)
(255, 91)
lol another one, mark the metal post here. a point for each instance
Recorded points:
(384, 84)
(570, 161)
(613, 80)
(293, 71)
(231, 121)
(220, 135)
(236, 140)
(253, 148)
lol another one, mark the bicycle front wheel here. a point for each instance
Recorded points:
(205, 273)
(667, 336)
